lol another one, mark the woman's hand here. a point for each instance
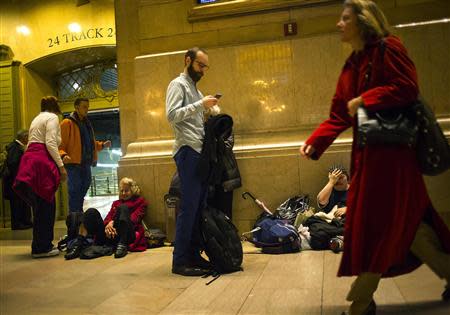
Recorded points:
(110, 231)
(307, 150)
(353, 105)
(63, 173)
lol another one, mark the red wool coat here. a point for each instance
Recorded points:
(387, 199)
(137, 207)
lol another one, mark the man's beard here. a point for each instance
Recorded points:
(195, 76)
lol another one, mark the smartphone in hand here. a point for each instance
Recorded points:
(218, 95)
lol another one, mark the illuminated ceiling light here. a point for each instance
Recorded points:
(75, 86)
(74, 27)
(446, 20)
(22, 29)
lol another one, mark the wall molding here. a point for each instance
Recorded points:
(245, 7)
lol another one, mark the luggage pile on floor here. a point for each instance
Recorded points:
(295, 226)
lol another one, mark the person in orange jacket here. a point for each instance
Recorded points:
(78, 152)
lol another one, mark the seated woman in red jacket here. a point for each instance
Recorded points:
(122, 227)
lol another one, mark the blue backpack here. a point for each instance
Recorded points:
(275, 236)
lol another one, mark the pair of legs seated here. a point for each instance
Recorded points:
(89, 225)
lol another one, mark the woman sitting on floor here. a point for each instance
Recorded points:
(122, 228)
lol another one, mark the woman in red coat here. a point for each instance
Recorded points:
(391, 226)
(122, 227)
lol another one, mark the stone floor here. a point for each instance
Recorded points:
(142, 283)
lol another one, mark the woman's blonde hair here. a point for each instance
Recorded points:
(135, 190)
(371, 20)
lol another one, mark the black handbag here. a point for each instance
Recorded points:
(387, 127)
(414, 126)
(432, 148)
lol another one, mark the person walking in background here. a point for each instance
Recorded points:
(39, 175)
(185, 107)
(78, 150)
(20, 210)
(391, 226)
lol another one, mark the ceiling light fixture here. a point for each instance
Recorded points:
(23, 30)
(446, 20)
(74, 27)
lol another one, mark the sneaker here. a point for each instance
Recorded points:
(337, 244)
(62, 244)
(50, 253)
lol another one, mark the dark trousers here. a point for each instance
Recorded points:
(193, 193)
(43, 223)
(95, 227)
(20, 211)
(78, 182)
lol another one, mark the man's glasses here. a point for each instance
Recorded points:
(202, 65)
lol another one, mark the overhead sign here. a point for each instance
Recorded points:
(91, 33)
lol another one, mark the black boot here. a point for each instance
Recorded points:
(121, 251)
(370, 310)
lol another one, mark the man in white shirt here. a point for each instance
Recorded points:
(185, 107)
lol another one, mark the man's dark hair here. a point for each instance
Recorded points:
(192, 53)
(79, 100)
(341, 168)
(50, 104)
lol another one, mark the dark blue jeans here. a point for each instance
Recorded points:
(193, 196)
(78, 182)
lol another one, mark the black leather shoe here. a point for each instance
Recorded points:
(189, 271)
(121, 251)
(446, 294)
(75, 251)
(200, 262)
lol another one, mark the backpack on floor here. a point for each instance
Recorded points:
(289, 209)
(222, 242)
(274, 236)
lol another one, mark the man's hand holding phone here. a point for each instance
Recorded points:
(209, 100)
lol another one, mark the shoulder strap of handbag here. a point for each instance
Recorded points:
(382, 48)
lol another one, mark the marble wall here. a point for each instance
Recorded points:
(276, 88)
